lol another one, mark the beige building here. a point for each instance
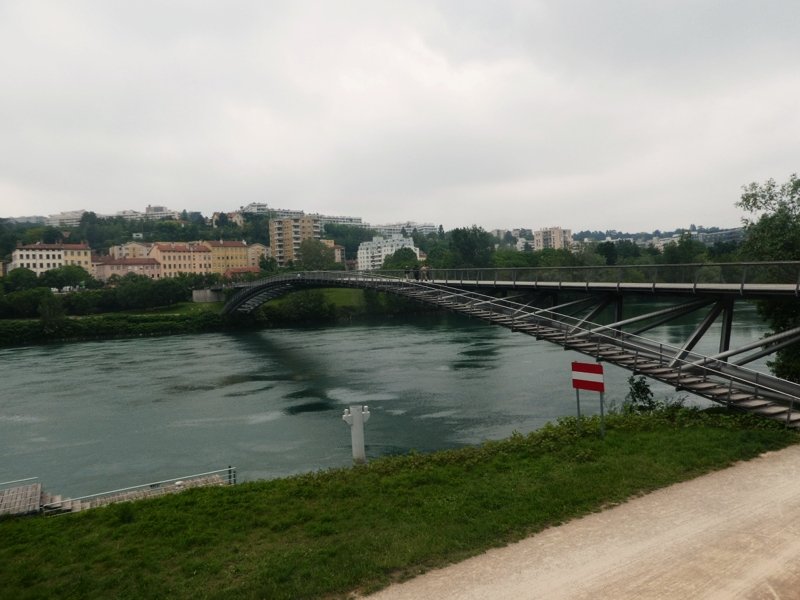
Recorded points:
(44, 257)
(552, 237)
(227, 255)
(177, 257)
(106, 266)
(286, 235)
(338, 251)
(255, 252)
(129, 250)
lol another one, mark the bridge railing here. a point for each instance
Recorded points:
(781, 272)
(692, 363)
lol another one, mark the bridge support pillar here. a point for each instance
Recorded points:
(356, 416)
(727, 326)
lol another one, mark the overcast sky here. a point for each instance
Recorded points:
(589, 114)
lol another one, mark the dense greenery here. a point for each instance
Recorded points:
(325, 534)
(773, 234)
(54, 325)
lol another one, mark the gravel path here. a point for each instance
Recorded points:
(730, 534)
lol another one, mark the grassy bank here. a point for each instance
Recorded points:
(325, 534)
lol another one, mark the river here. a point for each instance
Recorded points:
(93, 416)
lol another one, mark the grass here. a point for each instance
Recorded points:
(326, 534)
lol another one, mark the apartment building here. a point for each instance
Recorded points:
(176, 258)
(287, 234)
(372, 254)
(227, 255)
(552, 237)
(43, 257)
(255, 252)
(129, 250)
(106, 266)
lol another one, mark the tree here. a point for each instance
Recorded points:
(773, 234)
(404, 258)
(316, 256)
(639, 397)
(20, 279)
(472, 247)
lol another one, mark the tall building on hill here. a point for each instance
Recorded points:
(286, 235)
(552, 237)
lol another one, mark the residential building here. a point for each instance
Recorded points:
(255, 252)
(43, 257)
(176, 258)
(392, 229)
(106, 266)
(70, 218)
(156, 213)
(129, 250)
(255, 208)
(287, 234)
(336, 220)
(372, 254)
(227, 255)
(552, 237)
(338, 251)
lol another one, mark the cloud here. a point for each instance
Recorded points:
(619, 114)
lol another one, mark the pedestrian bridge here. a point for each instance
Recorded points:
(582, 309)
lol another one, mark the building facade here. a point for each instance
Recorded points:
(227, 255)
(552, 237)
(44, 257)
(129, 250)
(372, 254)
(107, 266)
(286, 235)
(176, 258)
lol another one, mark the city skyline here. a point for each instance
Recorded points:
(611, 115)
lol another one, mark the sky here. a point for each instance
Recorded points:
(631, 115)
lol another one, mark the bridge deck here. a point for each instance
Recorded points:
(713, 378)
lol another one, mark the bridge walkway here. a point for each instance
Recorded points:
(711, 377)
(652, 360)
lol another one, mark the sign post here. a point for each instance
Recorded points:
(589, 376)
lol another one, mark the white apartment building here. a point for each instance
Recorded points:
(392, 229)
(372, 254)
(155, 213)
(70, 218)
(43, 257)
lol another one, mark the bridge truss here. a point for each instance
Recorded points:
(569, 315)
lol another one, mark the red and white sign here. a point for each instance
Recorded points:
(588, 376)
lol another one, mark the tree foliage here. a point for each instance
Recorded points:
(404, 258)
(773, 234)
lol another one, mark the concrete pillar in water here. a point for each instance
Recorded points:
(356, 416)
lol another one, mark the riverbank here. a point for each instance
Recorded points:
(327, 534)
(311, 307)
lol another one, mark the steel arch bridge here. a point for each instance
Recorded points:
(582, 309)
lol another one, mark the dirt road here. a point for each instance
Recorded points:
(730, 534)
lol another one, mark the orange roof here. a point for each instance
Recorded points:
(172, 247)
(107, 260)
(225, 244)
